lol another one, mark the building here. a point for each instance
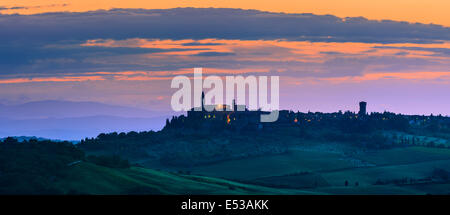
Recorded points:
(218, 117)
(362, 108)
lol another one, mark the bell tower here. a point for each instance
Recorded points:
(203, 101)
(362, 108)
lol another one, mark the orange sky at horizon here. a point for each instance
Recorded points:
(149, 76)
(312, 52)
(293, 51)
(430, 11)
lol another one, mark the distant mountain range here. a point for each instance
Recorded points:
(67, 120)
(64, 109)
(27, 138)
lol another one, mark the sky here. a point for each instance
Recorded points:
(329, 54)
(429, 11)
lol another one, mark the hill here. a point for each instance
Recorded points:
(88, 178)
(70, 109)
(69, 120)
(337, 153)
(76, 128)
(46, 167)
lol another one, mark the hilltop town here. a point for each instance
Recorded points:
(336, 153)
(225, 133)
(240, 118)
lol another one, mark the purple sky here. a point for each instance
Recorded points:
(324, 63)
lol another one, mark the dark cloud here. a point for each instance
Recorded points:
(35, 58)
(50, 43)
(435, 51)
(214, 54)
(332, 53)
(12, 8)
(201, 44)
(402, 53)
(195, 23)
(31, 7)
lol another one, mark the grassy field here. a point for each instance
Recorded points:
(421, 139)
(368, 176)
(370, 190)
(406, 155)
(326, 172)
(300, 181)
(437, 189)
(294, 161)
(295, 172)
(399, 163)
(86, 178)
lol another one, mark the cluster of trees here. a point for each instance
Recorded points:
(441, 174)
(373, 140)
(352, 124)
(116, 140)
(33, 167)
(437, 175)
(126, 144)
(402, 181)
(111, 161)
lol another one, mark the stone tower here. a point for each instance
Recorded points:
(203, 101)
(362, 108)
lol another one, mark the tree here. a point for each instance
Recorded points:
(10, 140)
